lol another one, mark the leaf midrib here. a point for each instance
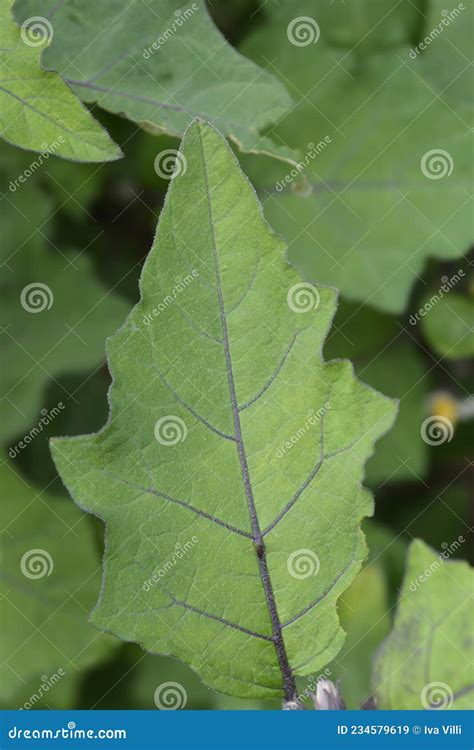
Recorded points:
(289, 684)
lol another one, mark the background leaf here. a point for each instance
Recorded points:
(50, 578)
(38, 110)
(385, 156)
(449, 326)
(57, 314)
(109, 58)
(426, 662)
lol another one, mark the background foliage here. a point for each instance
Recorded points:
(362, 217)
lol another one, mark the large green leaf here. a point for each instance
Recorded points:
(386, 144)
(105, 52)
(38, 111)
(56, 314)
(49, 578)
(426, 662)
(233, 454)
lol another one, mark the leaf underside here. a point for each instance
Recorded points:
(426, 662)
(220, 515)
(38, 111)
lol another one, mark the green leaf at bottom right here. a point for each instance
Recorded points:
(426, 662)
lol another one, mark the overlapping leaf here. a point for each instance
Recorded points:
(49, 578)
(38, 111)
(426, 662)
(385, 141)
(161, 65)
(229, 471)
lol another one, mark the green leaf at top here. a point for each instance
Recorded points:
(38, 111)
(388, 176)
(233, 454)
(105, 52)
(426, 662)
(448, 325)
(50, 575)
